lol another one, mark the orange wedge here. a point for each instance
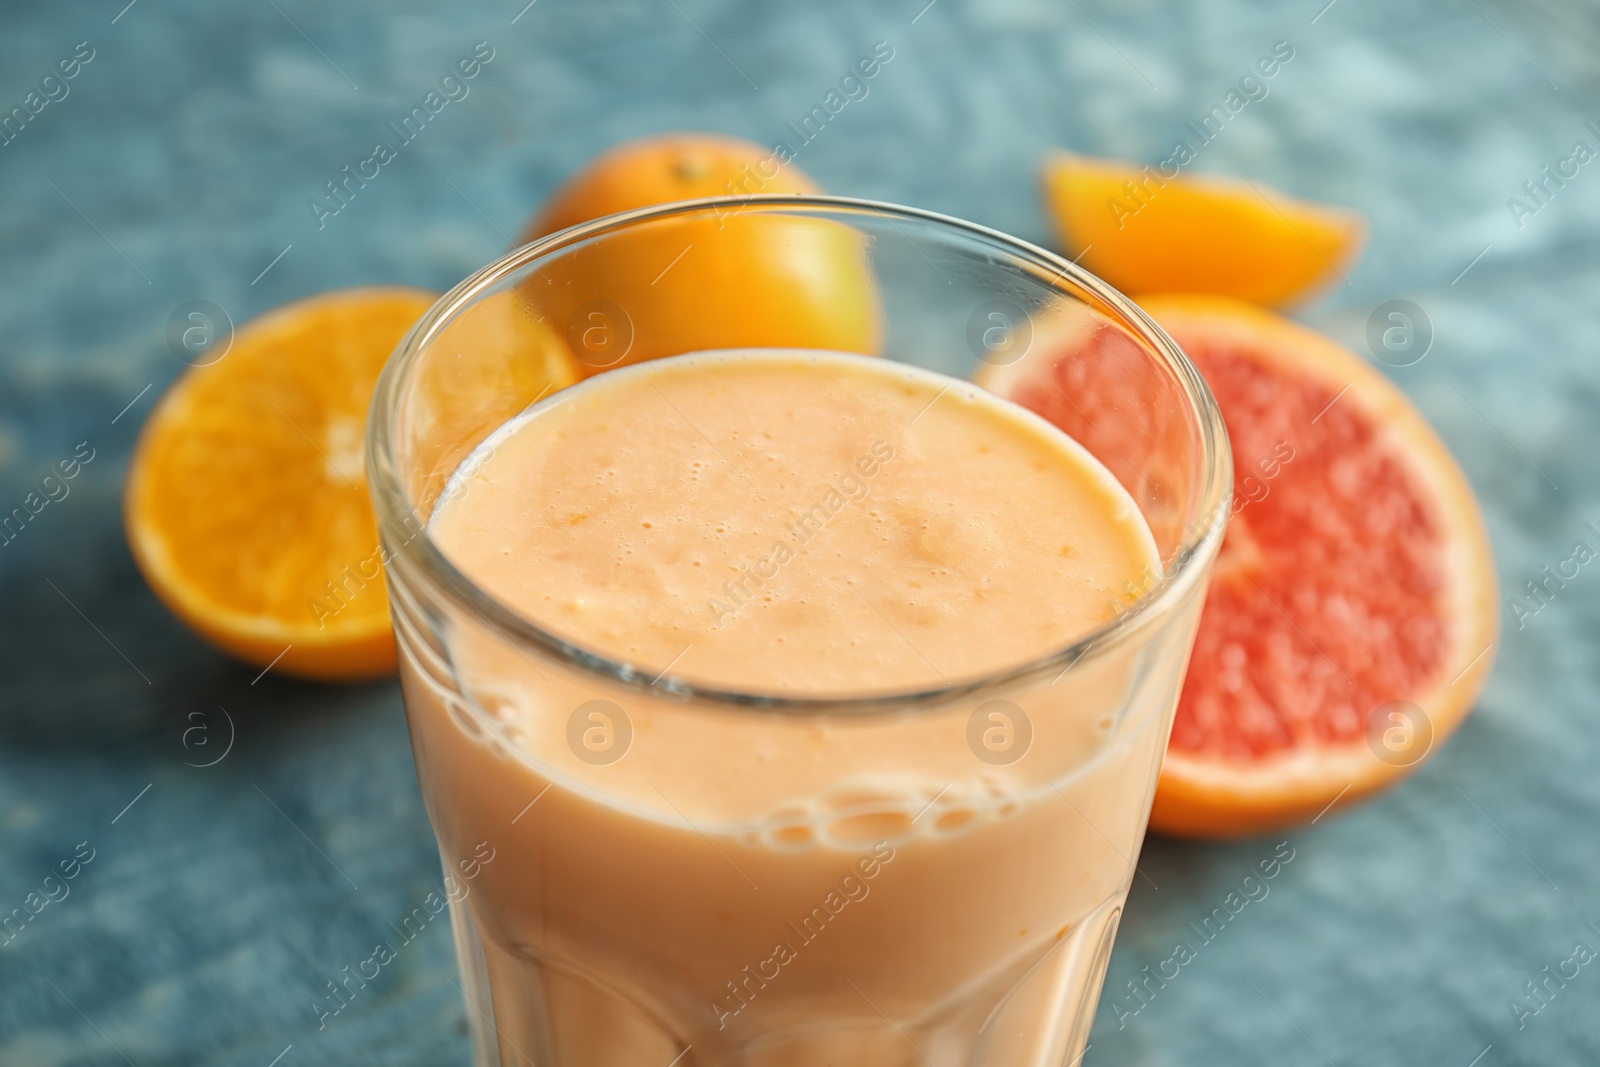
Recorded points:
(246, 505)
(1144, 232)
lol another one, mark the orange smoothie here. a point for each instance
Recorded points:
(739, 884)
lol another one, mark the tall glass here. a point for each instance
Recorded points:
(612, 909)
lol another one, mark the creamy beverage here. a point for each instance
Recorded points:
(727, 880)
(795, 524)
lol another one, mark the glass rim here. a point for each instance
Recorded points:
(1180, 567)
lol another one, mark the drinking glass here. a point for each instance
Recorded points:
(616, 908)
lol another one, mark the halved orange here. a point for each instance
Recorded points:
(246, 503)
(736, 280)
(1147, 233)
(1352, 612)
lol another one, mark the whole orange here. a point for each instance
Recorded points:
(733, 279)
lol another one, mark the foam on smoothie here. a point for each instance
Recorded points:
(795, 523)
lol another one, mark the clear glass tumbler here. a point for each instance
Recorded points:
(612, 909)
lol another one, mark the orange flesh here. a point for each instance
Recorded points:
(264, 422)
(247, 493)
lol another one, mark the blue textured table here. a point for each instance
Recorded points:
(177, 164)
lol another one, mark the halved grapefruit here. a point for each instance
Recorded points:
(1351, 617)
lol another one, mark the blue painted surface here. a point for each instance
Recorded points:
(180, 164)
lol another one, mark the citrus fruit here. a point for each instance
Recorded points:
(246, 503)
(1146, 233)
(736, 279)
(664, 168)
(1351, 612)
